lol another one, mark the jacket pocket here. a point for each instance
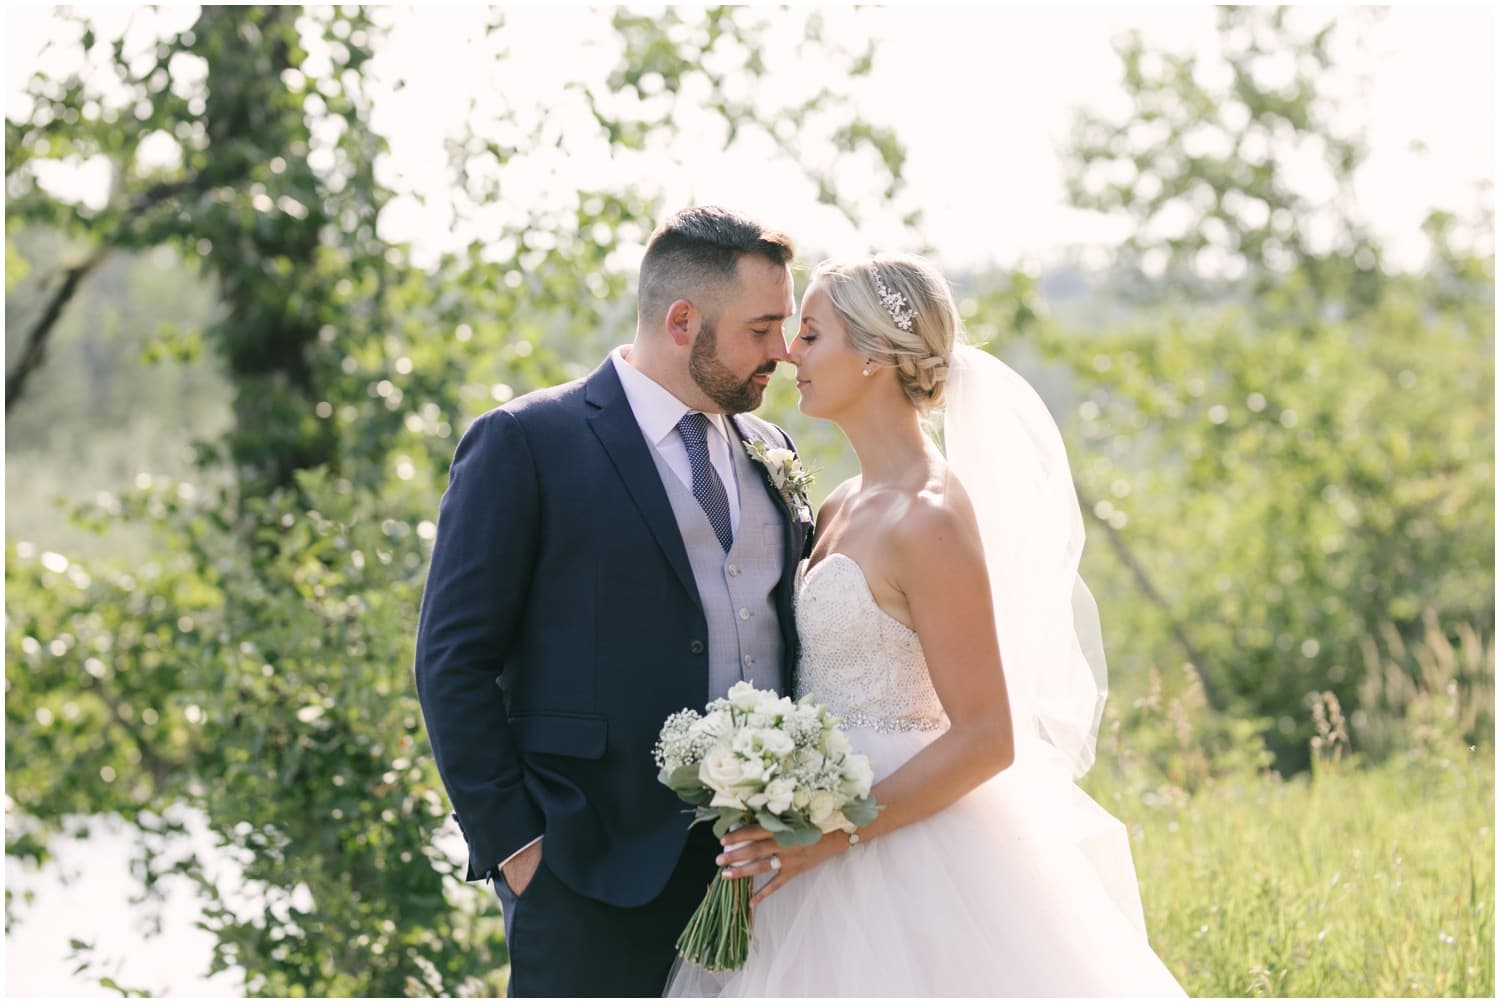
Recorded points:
(579, 736)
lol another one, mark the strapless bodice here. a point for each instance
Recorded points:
(857, 660)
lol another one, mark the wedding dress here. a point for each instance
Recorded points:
(1024, 886)
(982, 898)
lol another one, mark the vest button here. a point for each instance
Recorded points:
(697, 647)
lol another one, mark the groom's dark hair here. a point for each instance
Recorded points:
(695, 252)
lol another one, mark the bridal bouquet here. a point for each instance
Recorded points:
(757, 758)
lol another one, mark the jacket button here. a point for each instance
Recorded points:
(697, 647)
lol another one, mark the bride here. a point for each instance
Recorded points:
(940, 614)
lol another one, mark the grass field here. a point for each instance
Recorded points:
(1351, 882)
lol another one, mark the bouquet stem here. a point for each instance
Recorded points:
(718, 935)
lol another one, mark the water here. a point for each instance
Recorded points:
(83, 893)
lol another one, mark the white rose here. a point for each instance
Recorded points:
(762, 743)
(746, 742)
(777, 743)
(759, 720)
(836, 744)
(756, 802)
(712, 727)
(834, 822)
(743, 696)
(859, 774)
(721, 769)
(726, 799)
(801, 799)
(779, 794)
(753, 770)
(822, 808)
(770, 704)
(781, 458)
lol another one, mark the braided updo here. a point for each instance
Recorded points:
(919, 349)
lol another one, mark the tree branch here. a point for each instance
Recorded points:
(1138, 571)
(36, 341)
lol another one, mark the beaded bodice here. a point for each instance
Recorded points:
(857, 660)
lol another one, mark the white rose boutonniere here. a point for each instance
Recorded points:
(787, 475)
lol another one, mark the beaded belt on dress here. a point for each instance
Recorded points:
(891, 724)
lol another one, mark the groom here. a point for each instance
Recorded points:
(608, 553)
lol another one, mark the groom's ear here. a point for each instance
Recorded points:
(682, 321)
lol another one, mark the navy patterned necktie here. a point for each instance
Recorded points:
(707, 487)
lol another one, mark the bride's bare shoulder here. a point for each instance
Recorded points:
(938, 523)
(837, 497)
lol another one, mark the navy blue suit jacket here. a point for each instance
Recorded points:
(560, 626)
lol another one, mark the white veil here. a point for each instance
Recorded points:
(1005, 449)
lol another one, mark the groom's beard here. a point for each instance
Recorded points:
(715, 379)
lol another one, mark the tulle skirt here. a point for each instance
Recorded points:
(1024, 887)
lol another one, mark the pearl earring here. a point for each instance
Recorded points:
(866, 371)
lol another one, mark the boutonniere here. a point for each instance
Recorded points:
(787, 476)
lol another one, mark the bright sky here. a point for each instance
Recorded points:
(980, 95)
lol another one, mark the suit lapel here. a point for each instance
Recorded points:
(743, 435)
(796, 531)
(613, 422)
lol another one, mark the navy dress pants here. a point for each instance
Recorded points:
(563, 944)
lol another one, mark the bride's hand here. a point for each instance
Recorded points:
(755, 848)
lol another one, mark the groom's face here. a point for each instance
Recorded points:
(739, 345)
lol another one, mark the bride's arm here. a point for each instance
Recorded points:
(937, 561)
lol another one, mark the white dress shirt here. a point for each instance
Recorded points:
(657, 412)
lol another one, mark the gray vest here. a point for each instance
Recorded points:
(744, 636)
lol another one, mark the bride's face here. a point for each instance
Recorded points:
(828, 367)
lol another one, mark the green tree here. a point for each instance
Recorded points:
(1232, 171)
(257, 670)
(1288, 446)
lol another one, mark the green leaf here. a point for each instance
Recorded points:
(696, 796)
(728, 819)
(684, 778)
(799, 836)
(863, 811)
(770, 822)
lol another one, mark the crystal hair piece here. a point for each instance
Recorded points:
(894, 302)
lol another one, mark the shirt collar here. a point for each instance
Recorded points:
(657, 409)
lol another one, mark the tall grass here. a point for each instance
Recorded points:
(1374, 875)
(1351, 882)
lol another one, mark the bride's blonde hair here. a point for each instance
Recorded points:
(899, 311)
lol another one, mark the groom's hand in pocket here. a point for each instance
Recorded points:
(520, 869)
